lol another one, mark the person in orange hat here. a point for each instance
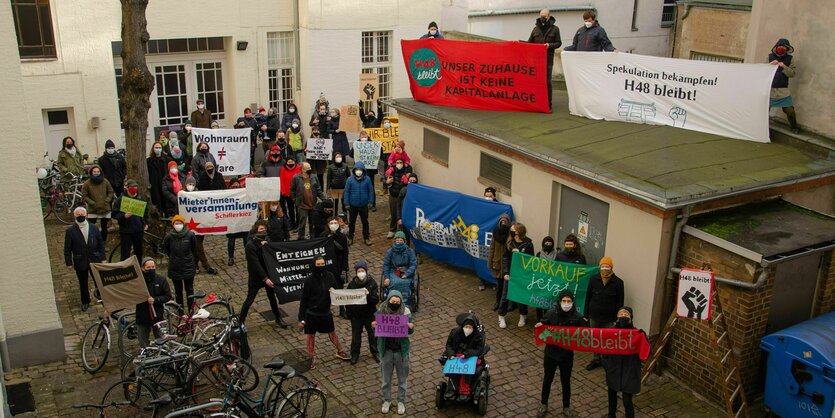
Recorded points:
(604, 297)
(180, 245)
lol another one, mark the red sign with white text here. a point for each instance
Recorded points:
(596, 340)
(505, 76)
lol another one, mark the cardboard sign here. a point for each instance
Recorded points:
(368, 153)
(121, 284)
(536, 281)
(342, 297)
(595, 340)
(263, 189)
(369, 87)
(391, 326)
(319, 149)
(388, 137)
(460, 365)
(695, 291)
(134, 206)
(349, 118)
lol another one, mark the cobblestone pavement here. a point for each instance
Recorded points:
(354, 391)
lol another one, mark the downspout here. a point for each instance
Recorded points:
(686, 11)
(668, 286)
(297, 42)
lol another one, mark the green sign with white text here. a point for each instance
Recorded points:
(538, 281)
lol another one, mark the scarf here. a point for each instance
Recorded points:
(85, 230)
(175, 180)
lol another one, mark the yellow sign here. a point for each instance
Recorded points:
(387, 136)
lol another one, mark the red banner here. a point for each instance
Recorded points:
(506, 76)
(595, 340)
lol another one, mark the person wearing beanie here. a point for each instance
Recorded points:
(270, 165)
(151, 311)
(177, 151)
(201, 117)
(319, 217)
(157, 163)
(171, 186)
(399, 152)
(396, 178)
(315, 310)
(185, 137)
(411, 178)
(518, 241)
(495, 257)
(98, 195)
(490, 194)
(399, 265)
(190, 184)
(548, 252)
(114, 167)
(361, 316)
(433, 32)
(563, 314)
(623, 372)
(394, 352)
(337, 177)
(463, 341)
(357, 197)
(604, 297)
(83, 244)
(131, 226)
(180, 245)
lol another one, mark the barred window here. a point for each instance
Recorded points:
(436, 145)
(280, 62)
(495, 170)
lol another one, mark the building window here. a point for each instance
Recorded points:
(33, 27)
(495, 171)
(436, 146)
(668, 13)
(376, 59)
(172, 99)
(176, 46)
(280, 62)
(210, 87)
(698, 56)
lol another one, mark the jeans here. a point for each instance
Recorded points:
(289, 209)
(392, 361)
(357, 324)
(188, 284)
(352, 224)
(523, 309)
(142, 333)
(627, 404)
(565, 367)
(83, 285)
(305, 220)
(132, 240)
(252, 291)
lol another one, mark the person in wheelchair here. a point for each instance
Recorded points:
(399, 266)
(465, 340)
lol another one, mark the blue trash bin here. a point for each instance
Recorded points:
(800, 374)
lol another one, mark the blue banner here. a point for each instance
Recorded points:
(452, 227)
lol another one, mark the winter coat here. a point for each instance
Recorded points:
(321, 122)
(316, 298)
(205, 182)
(287, 118)
(364, 311)
(407, 262)
(623, 372)
(297, 188)
(458, 343)
(134, 224)
(262, 155)
(405, 343)
(186, 140)
(296, 141)
(593, 39)
(249, 123)
(547, 34)
(781, 76)
(573, 258)
(98, 197)
(198, 162)
(181, 248)
(340, 245)
(183, 161)
(287, 176)
(114, 169)
(201, 119)
(556, 316)
(168, 195)
(397, 175)
(337, 175)
(359, 192)
(526, 246)
(79, 253)
(255, 267)
(159, 290)
(402, 155)
(437, 35)
(495, 258)
(270, 168)
(340, 139)
(278, 229)
(157, 172)
(374, 122)
(68, 163)
(603, 302)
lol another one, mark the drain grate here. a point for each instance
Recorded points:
(20, 398)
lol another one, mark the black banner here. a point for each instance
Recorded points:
(289, 263)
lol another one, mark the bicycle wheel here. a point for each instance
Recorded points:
(115, 253)
(95, 346)
(307, 402)
(276, 393)
(65, 206)
(138, 393)
(128, 341)
(218, 309)
(212, 378)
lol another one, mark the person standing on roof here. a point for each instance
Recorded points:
(547, 33)
(780, 96)
(591, 37)
(433, 33)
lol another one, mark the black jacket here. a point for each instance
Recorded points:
(181, 249)
(340, 245)
(374, 122)
(168, 195)
(780, 80)
(397, 184)
(77, 252)
(255, 266)
(364, 311)
(458, 343)
(603, 302)
(322, 124)
(316, 298)
(573, 258)
(593, 39)
(337, 175)
(549, 34)
(623, 372)
(134, 224)
(157, 171)
(319, 218)
(159, 290)
(526, 246)
(114, 169)
(278, 229)
(556, 316)
(297, 189)
(207, 183)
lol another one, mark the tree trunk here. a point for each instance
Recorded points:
(137, 84)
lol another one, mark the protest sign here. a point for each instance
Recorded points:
(216, 212)
(289, 263)
(134, 206)
(230, 147)
(460, 365)
(368, 153)
(319, 149)
(595, 340)
(349, 118)
(391, 326)
(369, 87)
(695, 294)
(387, 137)
(538, 281)
(120, 285)
(342, 297)
(728, 99)
(263, 189)
(452, 227)
(506, 76)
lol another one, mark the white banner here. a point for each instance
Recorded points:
(341, 297)
(263, 189)
(695, 294)
(368, 153)
(319, 149)
(229, 146)
(217, 212)
(725, 99)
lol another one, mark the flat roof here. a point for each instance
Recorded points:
(664, 166)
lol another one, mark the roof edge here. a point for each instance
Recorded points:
(505, 12)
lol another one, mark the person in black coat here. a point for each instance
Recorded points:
(361, 316)
(181, 247)
(83, 245)
(571, 252)
(370, 119)
(257, 271)
(547, 33)
(518, 241)
(464, 341)
(623, 372)
(170, 189)
(315, 310)
(209, 179)
(114, 167)
(319, 218)
(157, 171)
(131, 226)
(564, 314)
(337, 176)
(158, 294)
(604, 297)
(278, 227)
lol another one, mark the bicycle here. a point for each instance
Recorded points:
(58, 200)
(95, 346)
(151, 241)
(103, 408)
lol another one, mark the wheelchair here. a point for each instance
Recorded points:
(479, 389)
(411, 295)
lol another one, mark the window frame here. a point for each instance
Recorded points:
(429, 142)
(668, 10)
(379, 45)
(281, 72)
(43, 13)
(502, 185)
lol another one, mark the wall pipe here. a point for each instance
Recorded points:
(761, 279)
(671, 262)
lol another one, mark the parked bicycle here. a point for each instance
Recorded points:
(61, 198)
(111, 409)
(151, 240)
(95, 346)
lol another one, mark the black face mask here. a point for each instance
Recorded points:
(624, 322)
(394, 307)
(210, 171)
(543, 21)
(204, 150)
(275, 156)
(291, 165)
(150, 274)
(513, 234)
(548, 248)
(570, 250)
(309, 172)
(261, 236)
(318, 270)
(80, 219)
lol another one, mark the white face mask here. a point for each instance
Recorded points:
(111, 151)
(387, 125)
(432, 32)
(273, 208)
(488, 198)
(337, 160)
(363, 138)
(588, 24)
(71, 151)
(201, 106)
(173, 171)
(399, 166)
(333, 227)
(190, 187)
(566, 306)
(178, 227)
(292, 110)
(358, 173)
(361, 275)
(467, 331)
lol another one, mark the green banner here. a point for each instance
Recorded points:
(134, 206)
(538, 281)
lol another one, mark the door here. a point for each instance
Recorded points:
(794, 292)
(57, 126)
(585, 217)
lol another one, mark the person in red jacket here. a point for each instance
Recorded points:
(291, 168)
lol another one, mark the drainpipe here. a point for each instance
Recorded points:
(686, 11)
(761, 279)
(297, 42)
(668, 287)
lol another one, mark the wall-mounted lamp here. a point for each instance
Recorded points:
(242, 45)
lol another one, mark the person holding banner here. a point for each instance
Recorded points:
(305, 189)
(463, 341)
(623, 372)
(290, 169)
(362, 316)
(394, 352)
(150, 312)
(132, 226)
(563, 314)
(180, 245)
(518, 241)
(604, 298)
(495, 258)
(591, 37)
(337, 176)
(571, 252)
(315, 310)
(83, 245)
(257, 271)
(358, 195)
(547, 33)
(490, 194)
(780, 95)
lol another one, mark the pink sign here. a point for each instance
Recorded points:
(392, 326)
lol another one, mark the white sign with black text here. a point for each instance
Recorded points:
(695, 292)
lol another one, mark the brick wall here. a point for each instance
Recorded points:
(826, 294)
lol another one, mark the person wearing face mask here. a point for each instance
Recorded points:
(545, 32)
(433, 32)
(337, 176)
(623, 372)
(191, 184)
(271, 166)
(131, 226)
(412, 178)
(210, 179)
(157, 163)
(83, 244)
(98, 195)
(315, 310)
(399, 265)
(358, 195)
(296, 140)
(289, 116)
(278, 228)
(604, 296)
(151, 311)
(248, 120)
(396, 177)
(371, 119)
(114, 167)
(361, 316)
(263, 151)
(394, 352)
(780, 95)
(180, 245)
(320, 119)
(490, 194)
(517, 241)
(201, 117)
(320, 215)
(171, 186)
(215, 124)
(289, 170)
(257, 271)
(341, 251)
(463, 341)
(495, 257)
(571, 251)
(198, 162)
(399, 153)
(548, 252)
(305, 189)
(70, 159)
(370, 172)
(177, 152)
(591, 37)
(563, 314)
